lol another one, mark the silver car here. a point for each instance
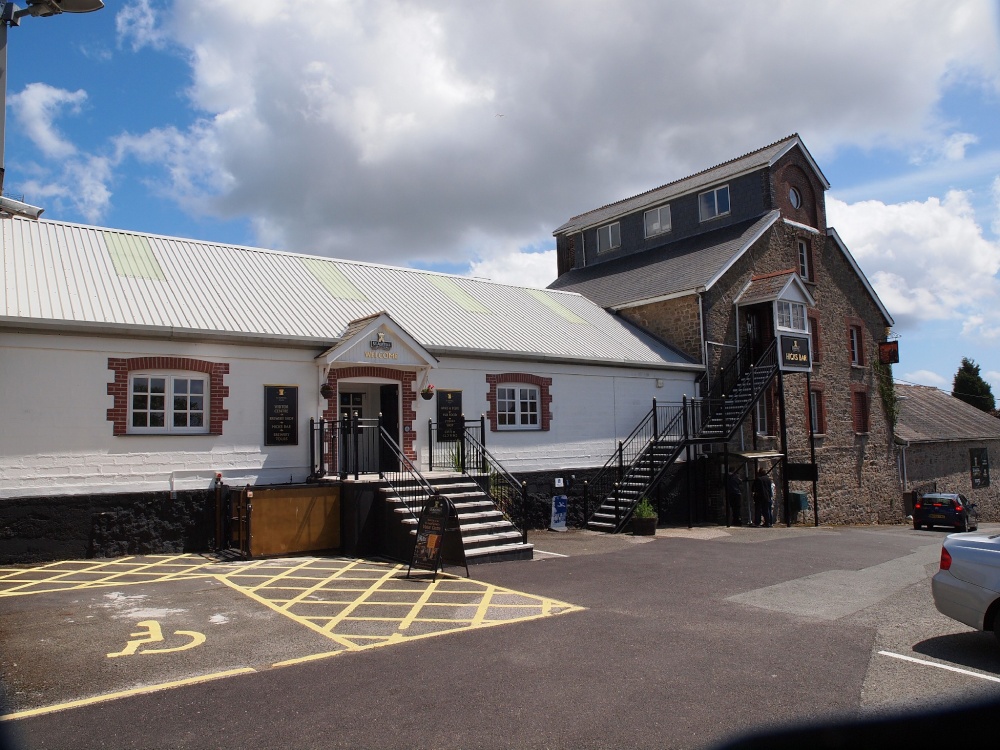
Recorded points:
(967, 587)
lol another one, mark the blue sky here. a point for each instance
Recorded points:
(456, 136)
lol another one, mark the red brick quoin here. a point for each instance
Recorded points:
(118, 414)
(407, 393)
(520, 377)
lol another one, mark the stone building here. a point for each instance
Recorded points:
(736, 267)
(945, 445)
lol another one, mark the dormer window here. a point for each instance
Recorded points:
(609, 237)
(713, 203)
(657, 221)
(792, 315)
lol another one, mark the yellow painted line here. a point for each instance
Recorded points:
(124, 694)
(306, 592)
(389, 574)
(284, 574)
(296, 618)
(484, 606)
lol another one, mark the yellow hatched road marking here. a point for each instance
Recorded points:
(483, 608)
(336, 620)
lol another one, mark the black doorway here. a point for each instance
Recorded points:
(389, 407)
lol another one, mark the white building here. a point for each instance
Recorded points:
(138, 365)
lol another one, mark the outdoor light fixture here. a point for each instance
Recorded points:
(11, 15)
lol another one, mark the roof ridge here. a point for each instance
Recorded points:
(686, 177)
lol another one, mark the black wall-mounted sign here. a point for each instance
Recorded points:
(281, 415)
(888, 352)
(979, 465)
(795, 353)
(450, 421)
(801, 472)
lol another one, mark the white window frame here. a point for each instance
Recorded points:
(763, 416)
(805, 267)
(609, 237)
(815, 412)
(662, 226)
(791, 315)
(519, 407)
(855, 338)
(176, 385)
(708, 203)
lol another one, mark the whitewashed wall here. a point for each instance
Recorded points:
(592, 408)
(56, 438)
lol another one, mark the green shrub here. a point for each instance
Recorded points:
(644, 509)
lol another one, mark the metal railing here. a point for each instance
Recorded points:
(450, 446)
(404, 476)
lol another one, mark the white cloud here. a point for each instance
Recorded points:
(37, 107)
(137, 26)
(517, 268)
(926, 260)
(371, 129)
(926, 377)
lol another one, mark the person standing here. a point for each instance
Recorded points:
(763, 497)
(734, 494)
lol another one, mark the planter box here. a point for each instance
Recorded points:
(644, 526)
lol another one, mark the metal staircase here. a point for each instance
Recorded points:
(643, 459)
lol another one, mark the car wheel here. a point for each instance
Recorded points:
(996, 627)
(964, 525)
(916, 526)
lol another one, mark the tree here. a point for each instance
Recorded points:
(970, 387)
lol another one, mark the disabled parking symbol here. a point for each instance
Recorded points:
(154, 634)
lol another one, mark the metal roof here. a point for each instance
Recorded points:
(71, 277)
(763, 157)
(686, 266)
(930, 415)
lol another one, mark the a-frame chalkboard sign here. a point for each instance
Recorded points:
(437, 528)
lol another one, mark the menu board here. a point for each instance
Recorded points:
(450, 421)
(281, 415)
(430, 534)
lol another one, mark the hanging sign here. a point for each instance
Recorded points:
(888, 352)
(281, 415)
(795, 354)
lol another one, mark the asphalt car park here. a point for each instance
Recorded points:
(686, 639)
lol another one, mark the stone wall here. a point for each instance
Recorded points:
(38, 529)
(947, 465)
(675, 320)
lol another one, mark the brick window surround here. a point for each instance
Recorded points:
(121, 367)
(856, 328)
(814, 329)
(860, 409)
(407, 392)
(544, 397)
(820, 390)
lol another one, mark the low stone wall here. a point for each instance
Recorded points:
(40, 529)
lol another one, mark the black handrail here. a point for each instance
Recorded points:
(406, 474)
(503, 487)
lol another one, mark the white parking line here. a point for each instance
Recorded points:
(550, 554)
(981, 676)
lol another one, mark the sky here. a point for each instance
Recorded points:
(455, 136)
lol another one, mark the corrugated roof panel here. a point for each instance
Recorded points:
(132, 255)
(457, 294)
(332, 279)
(57, 272)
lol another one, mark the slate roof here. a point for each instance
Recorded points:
(930, 415)
(689, 264)
(765, 287)
(63, 277)
(759, 159)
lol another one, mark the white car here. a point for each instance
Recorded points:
(967, 587)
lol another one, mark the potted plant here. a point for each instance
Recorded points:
(427, 392)
(644, 518)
